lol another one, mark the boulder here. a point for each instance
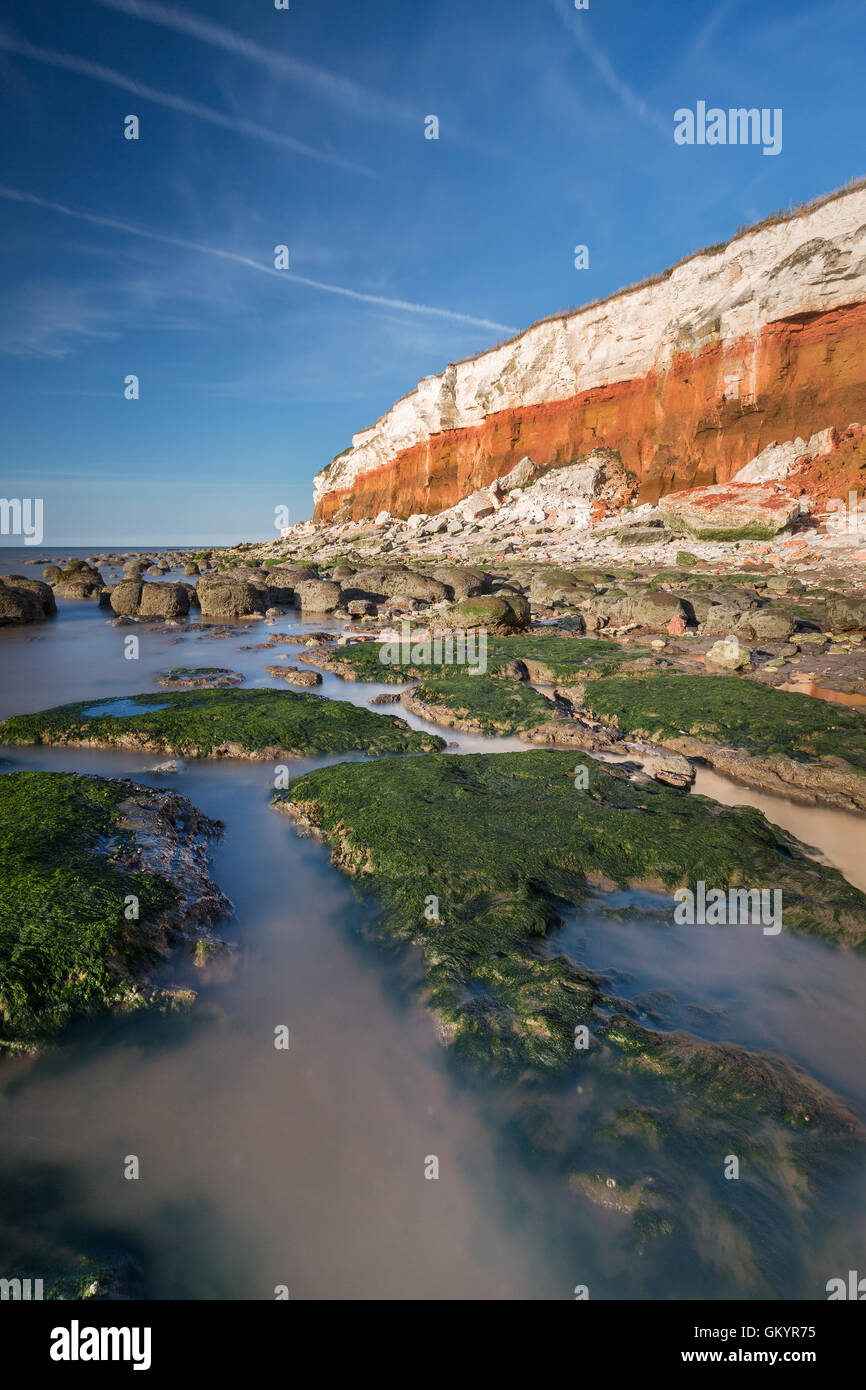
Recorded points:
(558, 586)
(19, 606)
(719, 618)
(52, 572)
(294, 675)
(521, 475)
(670, 768)
(476, 505)
(24, 600)
(847, 613)
(319, 595)
(729, 654)
(462, 581)
(776, 461)
(649, 534)
(498, 613)
(361, 608)
(163, 601)
(125, 597)
(279, 591)
(43, 593)
(230, 598)
(79, 586)
(410, 584)
(765, 625)
(646, 607)
(290, 575)
(371, 579)
(731, 511)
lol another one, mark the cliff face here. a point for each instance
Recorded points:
(688, 377)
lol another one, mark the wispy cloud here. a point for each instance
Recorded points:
(96, 220)
(85, 68)
(49, 318)
(350, 95)
(631, 100)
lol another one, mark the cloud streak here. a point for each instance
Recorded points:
(628, 97)
(85, 68)
(350, 95)
(15, 195)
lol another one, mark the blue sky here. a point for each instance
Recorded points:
(305, 127)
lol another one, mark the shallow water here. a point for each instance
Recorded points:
(119, 709)
(306, 1167)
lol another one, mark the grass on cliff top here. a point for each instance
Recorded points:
(563, 658)
(731, 711)
(200, 723)
(63, 945)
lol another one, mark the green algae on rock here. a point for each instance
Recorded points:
(200, 678)
(222, 723)
(77, 853)
(546, 657)
(474, 860)
(475, 704)
(504, 840)
(777, 740)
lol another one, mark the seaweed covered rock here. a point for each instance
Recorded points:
(219, 723)
(777, 741)
(473, 704)
(73, 950)
(552, 585)
(496, 613)
(475, 861)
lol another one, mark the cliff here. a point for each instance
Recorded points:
(688, 376)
